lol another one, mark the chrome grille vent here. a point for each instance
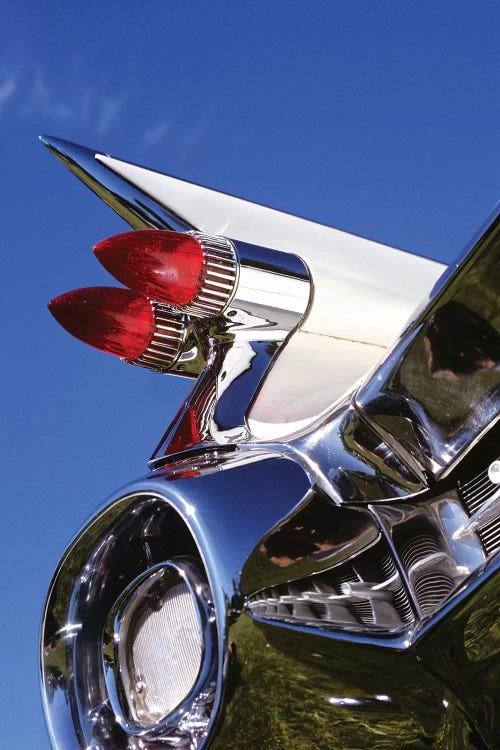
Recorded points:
(361, 609)
(401, 601)
(432, 588)
(476, 493)
(419, 549)
(364, 594)
(429, 569)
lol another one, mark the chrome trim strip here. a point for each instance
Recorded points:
(136, 207)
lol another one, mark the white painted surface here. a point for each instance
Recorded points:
(311, 374)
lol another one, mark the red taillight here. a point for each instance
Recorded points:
(166, 266)
(122, 322)
(195, 273)
(117, 321)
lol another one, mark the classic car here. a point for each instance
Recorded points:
(311, 560)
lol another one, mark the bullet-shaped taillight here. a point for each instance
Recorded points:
(121, 322)
(192, 272)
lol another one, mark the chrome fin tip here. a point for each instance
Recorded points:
(68, 149)
(133, 204)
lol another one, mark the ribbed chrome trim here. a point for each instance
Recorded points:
(218, 281)
(476, 493)
(340, 598)
(166, 341)
(428, 568)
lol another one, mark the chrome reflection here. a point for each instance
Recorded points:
(314, 537)
(104, 592)
(347, 701)
(271, 298)
(438, 390)
(435, 560)
(364, 595)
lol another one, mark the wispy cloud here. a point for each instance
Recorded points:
(156, 133)
(42, 99)
(73, 98)
(109, 107)
(195, 133)
(8, 88)
(69, 99)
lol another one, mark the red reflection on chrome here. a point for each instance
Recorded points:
(187, 433)
(117, 321)
(166, 266)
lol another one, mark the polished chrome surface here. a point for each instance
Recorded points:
(381, 443)
(219, 276)
(314, 537)
(166, 342)
(421, 527)
(345, 457)
(438, 390)
(365, 594)
(135, 206)
(154, 522)
(342, 268)
(487, 512)
(353, 455)
(176, 345)
(386, 283)
(266, 259)
(218, 509)
(481, 498)
(108, 578)
(434, 560)
(271, 295)
(271, 290)
(355, 536)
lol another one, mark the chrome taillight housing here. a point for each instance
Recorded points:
(197, 305)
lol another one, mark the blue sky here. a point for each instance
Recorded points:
(378, 118)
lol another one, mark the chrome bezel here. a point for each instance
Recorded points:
(114, 629)
(69, 715)
(165, 346)
(219, 276)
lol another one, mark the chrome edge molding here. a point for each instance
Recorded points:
(438, 389)
(136, 207)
